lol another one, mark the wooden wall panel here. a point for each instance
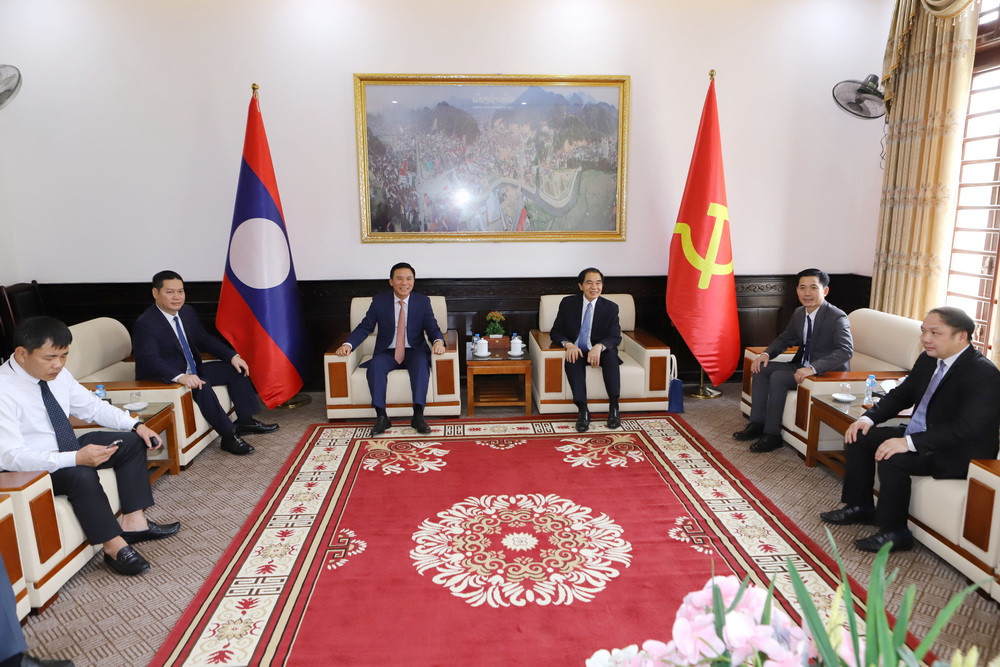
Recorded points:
(765, 305)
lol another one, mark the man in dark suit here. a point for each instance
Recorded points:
(167, 341)
(402, 318)
(587, 327)
(955, 393)
(823, 335)
(13, 648)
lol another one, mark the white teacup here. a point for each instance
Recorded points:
(516, 347)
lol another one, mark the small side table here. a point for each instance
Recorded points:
(502, 380)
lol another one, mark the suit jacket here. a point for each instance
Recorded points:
(963, 416)
(157, 350)
(604, 327)
(382, 314)
(832, 345)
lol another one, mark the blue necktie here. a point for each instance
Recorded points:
(806, 352)
(192, 368)
(918, 422)
(60, 422)
(583, 340)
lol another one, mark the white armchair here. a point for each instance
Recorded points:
(101, 353)
(12, 555)
(646, 370)
(50, 540)
(884, 344)
(347, 394)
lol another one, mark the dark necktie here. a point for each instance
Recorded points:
(191, 369)
(806, 352)
(583, 340)
(918, 422)
(60, 422)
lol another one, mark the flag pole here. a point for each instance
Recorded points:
(703, 390)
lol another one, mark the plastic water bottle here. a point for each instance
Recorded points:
(100, 393)
(870, 390)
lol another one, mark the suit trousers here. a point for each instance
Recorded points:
(415, 360)
(241, 392)
(11, 636)
(894, 475)
(769, 389)
(81, 486)
(576, 374)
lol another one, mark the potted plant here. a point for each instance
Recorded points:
(493, 327)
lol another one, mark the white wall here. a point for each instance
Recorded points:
(121, 153)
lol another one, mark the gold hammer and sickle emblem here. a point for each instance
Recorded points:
(707, 264)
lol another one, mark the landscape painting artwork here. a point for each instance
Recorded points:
(491, 158)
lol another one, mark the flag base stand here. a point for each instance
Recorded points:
(702, 390)
(296, 401)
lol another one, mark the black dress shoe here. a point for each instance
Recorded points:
(583, 422)
(420, 424)
(848, 516)
(902, 540)
(614, 419)
(751, 431)
(32, 661)
(127, 561)
(254, 427)
(156, 531)
(382, 424)
(234, 444)
(767, 443)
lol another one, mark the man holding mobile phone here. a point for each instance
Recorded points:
(37, 397)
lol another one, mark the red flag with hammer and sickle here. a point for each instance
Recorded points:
(701, 286)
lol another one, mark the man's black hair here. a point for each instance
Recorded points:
(35, 332)
(824, 277)
(164, 276)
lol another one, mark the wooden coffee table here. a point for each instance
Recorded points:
(498, 380)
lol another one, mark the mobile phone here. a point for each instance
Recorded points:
(115, 443)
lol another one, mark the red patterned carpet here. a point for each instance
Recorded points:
(515, 542)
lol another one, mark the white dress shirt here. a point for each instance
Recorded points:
(27, 439)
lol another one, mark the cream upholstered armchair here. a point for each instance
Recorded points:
(12, 555)
(884, 345)
(646, 370)
(101, 353)
(50, 540)
(347, 394)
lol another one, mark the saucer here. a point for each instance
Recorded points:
(135, 407)
(482, 356)
(843, 398)
(518, 356)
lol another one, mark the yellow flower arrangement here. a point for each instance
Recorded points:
(493, 320)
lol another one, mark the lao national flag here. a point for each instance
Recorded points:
(701, 286)
(259, 305)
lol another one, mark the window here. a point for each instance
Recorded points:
(975, 251)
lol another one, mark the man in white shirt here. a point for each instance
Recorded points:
(37, 396)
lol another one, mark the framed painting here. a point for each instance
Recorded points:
(491, 157)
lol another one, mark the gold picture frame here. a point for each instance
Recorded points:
(445, 157)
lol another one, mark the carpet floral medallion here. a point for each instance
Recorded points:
(507, 542)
